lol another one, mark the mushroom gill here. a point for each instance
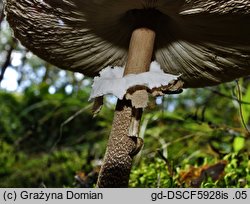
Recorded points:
(207, 41)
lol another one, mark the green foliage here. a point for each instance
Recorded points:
(7, 158)
(238, 143)
(38, 148)
(237, 172)
(155, 174)
(50, 170)
(191, 141)
(165, 175)
(245, 107)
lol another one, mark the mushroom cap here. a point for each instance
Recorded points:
(206, 41)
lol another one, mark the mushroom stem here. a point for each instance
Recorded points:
(140, 51)
(122, 146)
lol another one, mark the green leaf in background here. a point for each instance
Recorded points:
(238, 143)
(246, 107)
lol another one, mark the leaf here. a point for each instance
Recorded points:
(238, 143)
(195, 176)
(246, 107)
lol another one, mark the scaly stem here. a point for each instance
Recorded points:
(121, 146)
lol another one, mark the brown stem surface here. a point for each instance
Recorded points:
(118, 158)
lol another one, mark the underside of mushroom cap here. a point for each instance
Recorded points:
(206, 41)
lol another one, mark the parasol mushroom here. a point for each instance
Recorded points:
(206, 41)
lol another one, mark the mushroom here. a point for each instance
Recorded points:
(206, 41)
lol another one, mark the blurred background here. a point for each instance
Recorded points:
(49, 137)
